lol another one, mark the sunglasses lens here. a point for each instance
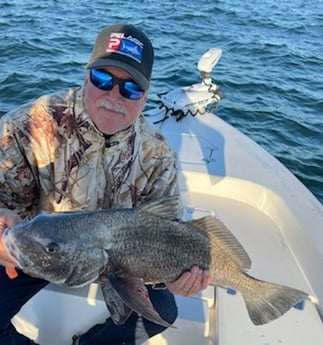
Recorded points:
(131, 90)
(101, 79)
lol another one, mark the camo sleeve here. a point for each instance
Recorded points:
(18, 189)
(161, 166)
(163, 179)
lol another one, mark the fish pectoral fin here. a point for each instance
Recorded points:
(135, 295)
(119, 311)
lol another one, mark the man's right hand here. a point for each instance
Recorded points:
(7, 218)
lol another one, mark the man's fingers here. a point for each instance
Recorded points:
(178, 286)
(191, 282)
(8, 218)
(11, 272)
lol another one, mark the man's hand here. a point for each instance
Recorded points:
(7, 218)
(190, 282)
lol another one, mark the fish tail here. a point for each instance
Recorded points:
(269, 301)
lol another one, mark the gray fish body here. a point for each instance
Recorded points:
(156, 249)
(76, 248)
(130, 242)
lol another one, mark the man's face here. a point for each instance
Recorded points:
(109, 110)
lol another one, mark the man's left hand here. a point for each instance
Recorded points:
(190, 282)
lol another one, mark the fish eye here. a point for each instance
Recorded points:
(51, 247)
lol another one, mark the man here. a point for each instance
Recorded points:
(88, 148)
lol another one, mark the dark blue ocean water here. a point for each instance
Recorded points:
(271, 71)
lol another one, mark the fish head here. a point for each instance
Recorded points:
(48, 247)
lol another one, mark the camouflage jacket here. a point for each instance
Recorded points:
(53, 158)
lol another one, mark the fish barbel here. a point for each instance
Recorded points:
(127, 248)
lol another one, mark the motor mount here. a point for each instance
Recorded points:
(198, 98)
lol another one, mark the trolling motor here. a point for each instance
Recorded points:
(206, 63)
(197, 98)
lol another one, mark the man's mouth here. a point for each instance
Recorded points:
(118, 108)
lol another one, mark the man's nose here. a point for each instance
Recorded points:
(115, 91)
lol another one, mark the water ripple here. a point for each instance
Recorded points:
(271, 69)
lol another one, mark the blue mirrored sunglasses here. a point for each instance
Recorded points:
(104, 80)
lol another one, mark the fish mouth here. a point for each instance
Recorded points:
(12, 250)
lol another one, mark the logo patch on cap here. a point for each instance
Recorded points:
(128, 46)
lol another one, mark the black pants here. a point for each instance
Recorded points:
(14, 293)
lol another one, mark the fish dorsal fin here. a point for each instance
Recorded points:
(167, 207)
(220, 235)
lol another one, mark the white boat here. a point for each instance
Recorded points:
(277, 219)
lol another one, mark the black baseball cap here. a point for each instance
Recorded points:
(126, 47)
